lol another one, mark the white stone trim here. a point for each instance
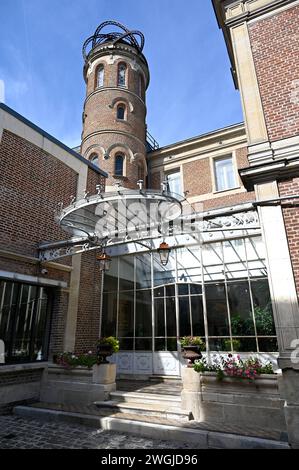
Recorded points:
(249, 90)
(280, 271)
(112, 131)
(274, 12)
(12, 276)
(215, 195)
(198, 154)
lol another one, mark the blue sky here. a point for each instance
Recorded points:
(191, 89)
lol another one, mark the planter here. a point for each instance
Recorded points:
(103, 351)
(252, 404)
(79, 384)
(104, 373)
(191, 353)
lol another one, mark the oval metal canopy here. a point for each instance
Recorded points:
(121, 215)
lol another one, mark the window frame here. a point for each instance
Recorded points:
(94, 156)
(117, 156)
(15, 316)
(236, 185)
(172, 172)
(100, 68)
(119, 84)
(121, 106)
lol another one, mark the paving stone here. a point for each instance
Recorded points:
(32, 434)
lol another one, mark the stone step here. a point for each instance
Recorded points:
(146, 409)
(166, 378)
(141, 397)
(151, 427)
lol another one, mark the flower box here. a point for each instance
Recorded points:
(234, 401)
(78, 384)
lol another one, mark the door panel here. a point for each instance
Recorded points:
(166, 363)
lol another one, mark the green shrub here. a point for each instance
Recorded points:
(193, 341)
(111, 340)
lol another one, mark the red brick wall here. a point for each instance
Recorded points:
(291, 219)
(198, 181)
(197, 177)
(88, 321)
(275, 49)
(228, 200)
(32, 183)
(155, 180)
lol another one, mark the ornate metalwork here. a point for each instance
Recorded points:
(241, 220)
(126, 217)
(126, 36)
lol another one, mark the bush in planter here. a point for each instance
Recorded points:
(234, 366)
(193, 341)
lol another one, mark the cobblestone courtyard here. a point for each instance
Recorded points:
(20, 433)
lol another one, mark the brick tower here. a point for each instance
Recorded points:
(114, 131)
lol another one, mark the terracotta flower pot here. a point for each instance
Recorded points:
(192, 353)
(103, 351)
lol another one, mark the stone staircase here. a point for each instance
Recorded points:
(152, 409)
(145, 404)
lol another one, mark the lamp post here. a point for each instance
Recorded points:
(164, 251)
(105, 261)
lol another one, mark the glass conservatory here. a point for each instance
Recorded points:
(218, 291)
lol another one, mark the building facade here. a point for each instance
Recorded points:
(232, 278)
(45, 307)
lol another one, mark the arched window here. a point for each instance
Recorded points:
(121, 110)
(119, 165)
(141, 86)
(94, 159)
(121, 74)
(100, 76)
(140, 171)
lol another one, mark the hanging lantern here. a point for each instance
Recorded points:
(164, 251)
(105, 261)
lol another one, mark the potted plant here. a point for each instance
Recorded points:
(192, 347)
(234, 367)
(106, 346)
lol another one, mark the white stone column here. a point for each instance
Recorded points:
(284, 300)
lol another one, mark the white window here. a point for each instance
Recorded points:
(224, 173)
(100, 76)
(174, 182)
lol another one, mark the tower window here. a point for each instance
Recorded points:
(140, 171)
(119, 165)
(100, 76)
(94, 159)
(121, 109)
(141, 86)
(121, 77)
